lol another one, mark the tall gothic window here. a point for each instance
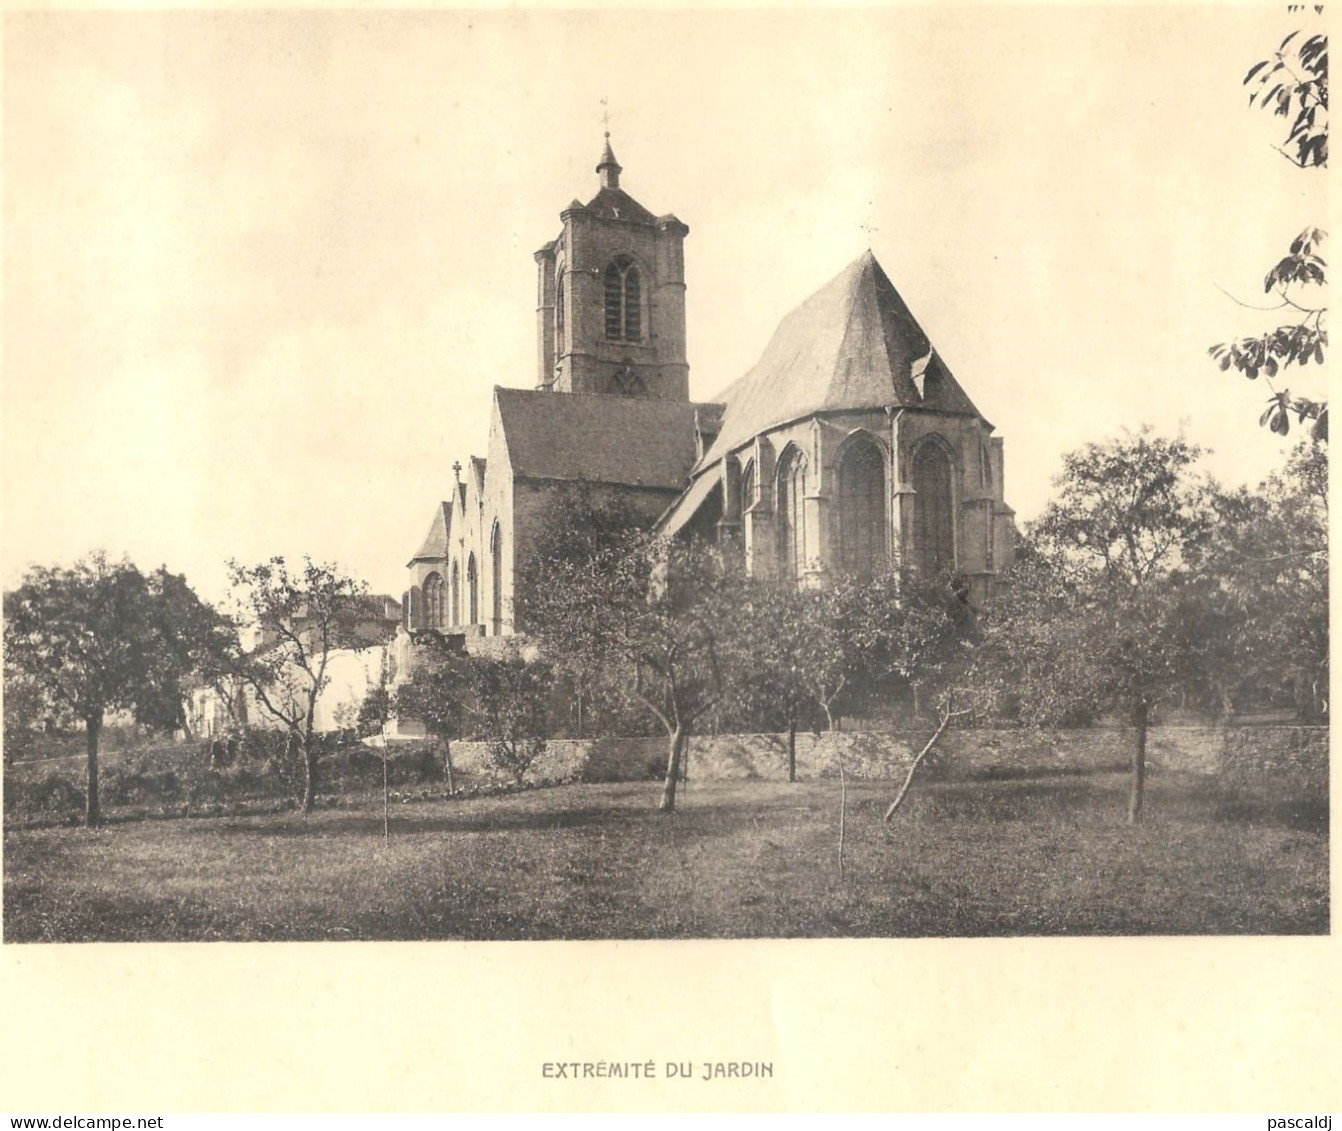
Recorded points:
(433, 600)
(792, 516)
(862, 509)
(985, 463)
(473, 590)
(934, 515)
(559, 314)
(456, 592)
(748, 487)
(496, 578)
(623, 295)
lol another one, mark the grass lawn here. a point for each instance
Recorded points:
(1038, 856)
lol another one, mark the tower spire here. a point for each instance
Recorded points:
(608, 167)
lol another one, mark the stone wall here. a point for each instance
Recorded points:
(1239, 753)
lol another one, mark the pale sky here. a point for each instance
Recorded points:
(262, 270)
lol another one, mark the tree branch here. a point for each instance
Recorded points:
(1247, 305)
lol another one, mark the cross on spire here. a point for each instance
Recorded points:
(608, 167)
(456, 467)
(870, 229)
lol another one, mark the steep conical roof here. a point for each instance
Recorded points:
(434, 547)
(853, 344)
(608, 158)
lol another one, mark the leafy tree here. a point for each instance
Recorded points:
(27, 711)
(375, 712)
(1293, 84)
(657, 620)
(913, 633)
(792, 664)
(100, 637)
(766, 688)
(1099, 616)
(814, 650)
(509, 701)
(438, 696)
(581, 526)
(906, 631)
(829, 660)
(302, 616)
(1265, 570)
(199, 648)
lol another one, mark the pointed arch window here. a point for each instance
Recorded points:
(748, 487)
(455, 596)
(792, 516)
(863, 526)
(989, 551)
(496, 581)
(624, 294)
(934, 515)
(559, 314)
(473, 590)
(433, 600)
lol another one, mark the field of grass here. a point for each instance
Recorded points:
(1038, 856)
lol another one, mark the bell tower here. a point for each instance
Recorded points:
(611, 297)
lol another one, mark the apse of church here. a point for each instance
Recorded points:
(850, 447)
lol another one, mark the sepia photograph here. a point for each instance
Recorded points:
(739, 559)
(573, 476)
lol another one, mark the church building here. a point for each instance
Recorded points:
(849, 445)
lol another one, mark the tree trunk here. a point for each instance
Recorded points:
(913, 768)
(386, 797)
(677, 748)
(309, 774)
(447, 758)
(792, 746)
(92, 814)
(843, 784)
(1140, 713)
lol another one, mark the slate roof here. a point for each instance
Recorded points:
(853, 344)
(435, 541)
(678, 514)
(616, 204)
(633, 441)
